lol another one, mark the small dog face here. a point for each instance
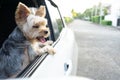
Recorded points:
(32, 25)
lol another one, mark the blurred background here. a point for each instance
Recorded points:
(106, 12)
(96, 24)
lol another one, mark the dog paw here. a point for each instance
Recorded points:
(49, 42)
(51, 50)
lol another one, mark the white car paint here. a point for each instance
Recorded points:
(66, 53)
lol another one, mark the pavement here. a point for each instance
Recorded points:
(99, 50)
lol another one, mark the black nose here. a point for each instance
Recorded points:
(45, 32)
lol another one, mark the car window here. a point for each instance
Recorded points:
(56, 20)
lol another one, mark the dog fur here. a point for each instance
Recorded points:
(26, 41)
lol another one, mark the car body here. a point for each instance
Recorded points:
(64, 62)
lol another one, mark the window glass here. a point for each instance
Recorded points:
(56, 19)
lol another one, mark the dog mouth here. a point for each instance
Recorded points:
(41, 39)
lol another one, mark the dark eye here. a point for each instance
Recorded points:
(35, 26)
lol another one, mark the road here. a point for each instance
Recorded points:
(99, 50)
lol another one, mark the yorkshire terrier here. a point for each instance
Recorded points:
(26, 41)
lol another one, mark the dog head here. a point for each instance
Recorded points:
(32, 25)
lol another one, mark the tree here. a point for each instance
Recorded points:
(74, 14)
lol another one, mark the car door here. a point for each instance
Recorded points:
(64, 62)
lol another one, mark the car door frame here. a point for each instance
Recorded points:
(31, 70)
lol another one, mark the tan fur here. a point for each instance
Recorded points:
(43, 28)
(41, 11)
(33, 26)
(21, 14)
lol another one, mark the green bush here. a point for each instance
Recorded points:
(106, 22)
(96, 19)
(68, 19)
(80, 16)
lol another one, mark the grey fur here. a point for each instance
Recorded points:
(12, 52)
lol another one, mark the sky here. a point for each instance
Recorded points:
(80, 5)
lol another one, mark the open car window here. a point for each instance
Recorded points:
(8, 24)
(54, 18)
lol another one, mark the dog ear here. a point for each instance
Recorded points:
(41, 11)
(21, 14)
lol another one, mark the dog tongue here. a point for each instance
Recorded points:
(42, 39)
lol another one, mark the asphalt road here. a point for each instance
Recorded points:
(99, 50)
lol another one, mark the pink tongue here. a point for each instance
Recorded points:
(42, 40)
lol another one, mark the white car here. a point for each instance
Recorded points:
(64, 62)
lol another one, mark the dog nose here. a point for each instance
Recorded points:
(45, 32)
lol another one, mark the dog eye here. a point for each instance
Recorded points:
(35, 26)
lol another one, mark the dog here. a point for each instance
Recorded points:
(26, 41)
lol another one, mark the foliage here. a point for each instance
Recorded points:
(87, 12)
(90, 12)
(60, 24)
(93, 14)
(96, 19)
(105, 11)
(80, 16)
(106, 22)
(68, 19)
(74, 14)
